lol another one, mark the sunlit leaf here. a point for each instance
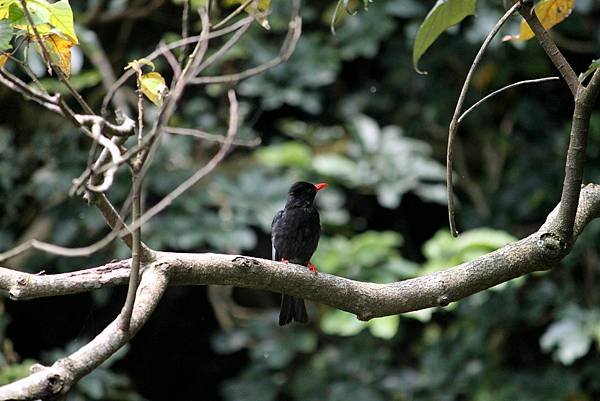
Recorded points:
(3, 60)
(4, 6)
(443, 15)
(61, 18)
(39, 15)
(48, 19)
(153, 86)
(60, 51)
(549, 12)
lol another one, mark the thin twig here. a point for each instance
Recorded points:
(287, 49)
(185, 16)
(171, 46)
(172, 60)
(232, 41)
(196, 133)
(454, 123)
(136, 183)
(233, 14)
(15, 84)
(546, 42)
(198, 175)
(496, 92)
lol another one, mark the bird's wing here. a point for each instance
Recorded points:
(277, 217)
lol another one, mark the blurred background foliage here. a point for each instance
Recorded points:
(347, 109)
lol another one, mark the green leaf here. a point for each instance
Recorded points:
(341, 323)
(288, 154)
(334, 165)
(384, 327)
(6, 34)
(570, 337)
(4, 8)
(39, 15)
(61, 18)
(443, 15)
(154, 87)
(46, 18)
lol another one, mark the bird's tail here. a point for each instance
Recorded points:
(292, 309)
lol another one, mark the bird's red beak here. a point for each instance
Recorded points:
(320, 186)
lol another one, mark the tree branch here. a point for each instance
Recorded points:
(535, 252)
(584, 102)
(454, 123)
(366, 300)
(544, 39)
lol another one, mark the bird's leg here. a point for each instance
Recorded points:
(284, 260)
(312, 267)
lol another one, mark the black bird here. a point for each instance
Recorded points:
(295, 233)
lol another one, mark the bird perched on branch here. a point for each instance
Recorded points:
(295, 233)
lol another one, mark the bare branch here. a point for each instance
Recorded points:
(223, 50)
(576, 154)
(15, 84)
(22, 285)
(204, 171)
(196, 133)
(116, 158)
(552, 51)
(287, 49)
(136, 238)
(496, 92)
(453, 128)
(233, 14)
(171, 46)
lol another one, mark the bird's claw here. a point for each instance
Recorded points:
(312, 268)
(284, 260)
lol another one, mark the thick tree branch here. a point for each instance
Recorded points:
(22, 285)
(367, 300)
(535, 252)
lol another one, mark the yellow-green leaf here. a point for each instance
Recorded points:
(549, 12)
(60, 51)
(61, 18)
(443, 15)
(3, 59)
(55, 18)
(4, 7)
(153, 86)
